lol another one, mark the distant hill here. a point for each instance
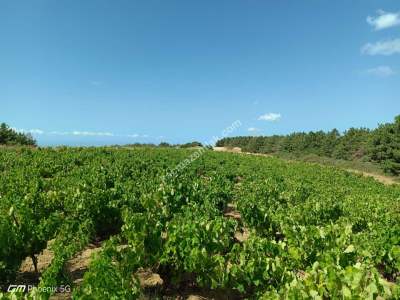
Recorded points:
(10, 137)
(380, 145)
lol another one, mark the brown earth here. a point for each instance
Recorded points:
(148, 279)
(231, 212)
(79, 264)
(76, 267)
(227, 149)
(381, 178)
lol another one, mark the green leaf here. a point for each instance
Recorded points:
(349, 249)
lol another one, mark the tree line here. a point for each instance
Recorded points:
(380, 145)
(11, 137)
(193, 144)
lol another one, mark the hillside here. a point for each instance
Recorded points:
(380, 146)
(364, 169)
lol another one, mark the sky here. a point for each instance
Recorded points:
(106, 72)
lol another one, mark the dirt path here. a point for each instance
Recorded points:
(381, 178)
(387, 180)
(76, 267)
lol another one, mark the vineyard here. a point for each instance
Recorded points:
(227, 226)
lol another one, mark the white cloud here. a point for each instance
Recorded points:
(138, 135)
(387, 47)
(81, 133)
(91, 133)
(384, 20)
(31, 131)
(270, 117)
(59, 133)
(97, 133)
(36, 131)
(253, 129)
(381, 71)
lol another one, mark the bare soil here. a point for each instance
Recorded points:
(381, 178)
(76, 267)
(227, 149)
(232, 212)
(79, 264)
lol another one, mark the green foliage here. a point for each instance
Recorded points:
(9, 136)
(111, 275)
(191, 145)
(257, 264)
(196, 244)
(386, 146)
(313, 231)
(332, 282)
(381, 145)
(164, 144)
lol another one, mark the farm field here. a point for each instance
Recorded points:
(224, 226)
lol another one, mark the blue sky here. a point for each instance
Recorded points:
(105, 72)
